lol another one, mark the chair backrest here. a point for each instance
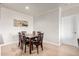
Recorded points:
(38, 32)
(20, 36)
(23, 33)
(24, 37)
(40, 37)
(34, 32)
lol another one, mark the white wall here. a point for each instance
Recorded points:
(77, 23)
(1, 40)
(49, 24)
(8, 32)
(0, 12)
(0, 50)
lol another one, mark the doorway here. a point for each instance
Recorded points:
(69, 30)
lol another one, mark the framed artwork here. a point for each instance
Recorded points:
(20, 23)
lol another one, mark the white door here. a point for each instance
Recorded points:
(69, 30)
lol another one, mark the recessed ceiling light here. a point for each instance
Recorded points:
(26, 7)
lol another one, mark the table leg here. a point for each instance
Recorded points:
(30, 46)
(25, 48)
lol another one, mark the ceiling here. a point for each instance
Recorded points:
(35, 8)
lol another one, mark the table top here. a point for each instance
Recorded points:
(31, 35)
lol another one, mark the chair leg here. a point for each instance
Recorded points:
(41, 46)
(25, 48)
(37, 49)
(22, 46)
(18, 44)
(32, 46)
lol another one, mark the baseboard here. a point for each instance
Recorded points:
(70, 45)
(8, 43)
(45, 41)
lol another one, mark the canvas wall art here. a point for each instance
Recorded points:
(20, 23)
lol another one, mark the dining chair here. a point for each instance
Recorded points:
(20, 41)
(38, 41)
(25, 40)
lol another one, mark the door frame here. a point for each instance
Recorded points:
(61, 32)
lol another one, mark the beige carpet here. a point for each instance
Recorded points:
(49, 50)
